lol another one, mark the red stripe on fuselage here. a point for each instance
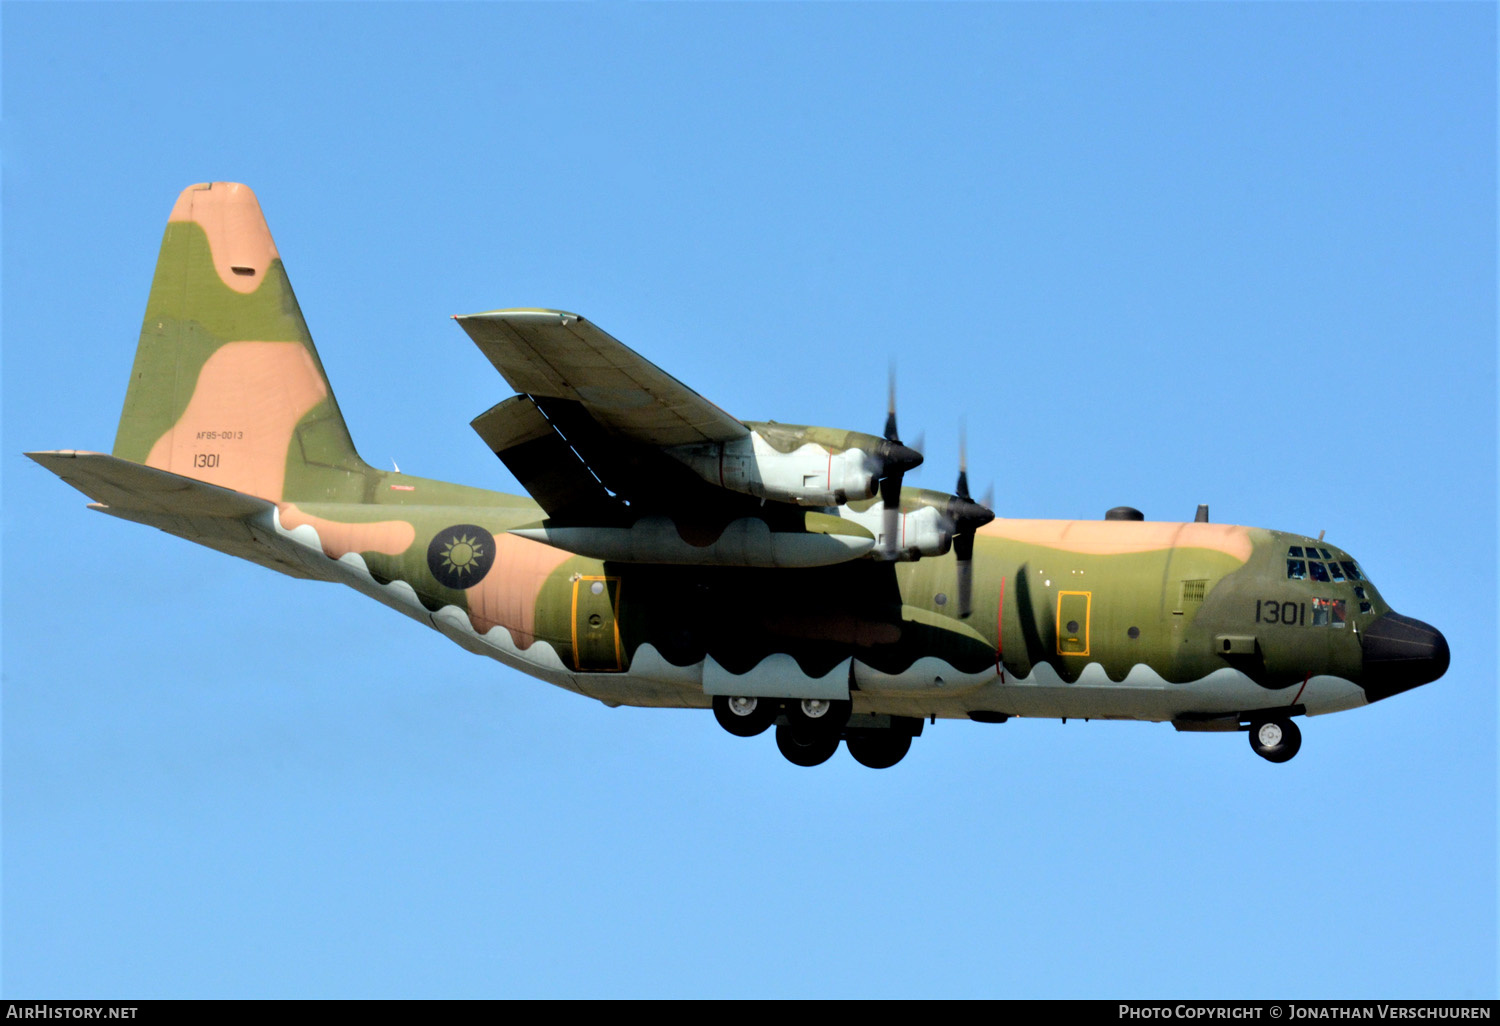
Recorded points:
(1000, 633)
(1302, 688)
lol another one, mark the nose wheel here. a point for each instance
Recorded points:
(1275, 740)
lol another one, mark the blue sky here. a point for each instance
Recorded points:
(1157, 254)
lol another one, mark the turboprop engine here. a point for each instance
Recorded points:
(806, 466)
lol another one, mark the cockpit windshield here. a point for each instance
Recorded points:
(1320, 565)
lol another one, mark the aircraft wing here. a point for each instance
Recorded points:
(588, 432)
(557, 355)
(548, 467)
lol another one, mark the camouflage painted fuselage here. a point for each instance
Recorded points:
(1168, 621)
(231, 437)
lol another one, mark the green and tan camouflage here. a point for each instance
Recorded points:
(671, 555)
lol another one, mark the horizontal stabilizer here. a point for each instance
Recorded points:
(125, 485)
(215, 517)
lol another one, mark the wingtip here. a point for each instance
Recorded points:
(522, 314)
(39, 455)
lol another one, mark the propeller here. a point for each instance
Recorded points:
(967, 516)
(895, 460)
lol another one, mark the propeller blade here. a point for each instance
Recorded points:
(895, 460)
(967, 517)
(890, 497)
(963, 548)
(890, 407)
(963, 460)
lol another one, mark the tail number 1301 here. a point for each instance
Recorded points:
(1293, 614)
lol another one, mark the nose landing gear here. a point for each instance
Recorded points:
(1275, 740)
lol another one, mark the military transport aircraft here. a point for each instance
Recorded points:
(673, 555)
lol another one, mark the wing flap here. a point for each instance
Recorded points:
(562, 356)
(545, 464)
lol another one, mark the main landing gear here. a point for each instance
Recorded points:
(745, 717)
(808, 731)
(880, 749)
(1276, 740)
(808, 750)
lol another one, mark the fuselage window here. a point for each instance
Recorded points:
(1359, 591)
(1352, 570)
(1296, 569)
(1319, 572)
(1328, 612)
(1295, 550)
(1364, 607)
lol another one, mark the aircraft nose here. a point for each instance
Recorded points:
(1399, 654)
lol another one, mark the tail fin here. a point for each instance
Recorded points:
(227, 387)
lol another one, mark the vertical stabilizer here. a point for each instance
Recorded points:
(227, 387)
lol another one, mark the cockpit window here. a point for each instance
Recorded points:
(1319, 572)
(1326, 553)
(1328, 612)
(1352, 570)
(1333, 568)
(1296, 569)
(1359, 591)
(1295, 550)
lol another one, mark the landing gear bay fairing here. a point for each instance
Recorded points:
(672, 555)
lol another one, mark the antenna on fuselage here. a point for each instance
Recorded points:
(1202, 517)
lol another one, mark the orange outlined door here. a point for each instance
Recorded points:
(1073, 608)
(596, 625)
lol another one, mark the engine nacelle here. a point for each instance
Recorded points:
(922, 529)
(809, 474)
(920, 532)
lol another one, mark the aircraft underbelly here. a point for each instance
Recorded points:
(539, 659)
(1142, 696)
(928, 687)
(1145, 695)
